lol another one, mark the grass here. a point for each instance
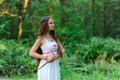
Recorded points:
(100, 70)
(20, 77)
(96, 71)
(25, 77)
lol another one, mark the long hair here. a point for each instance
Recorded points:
(43, 31)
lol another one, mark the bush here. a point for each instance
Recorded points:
(15, 59)
(108, 48)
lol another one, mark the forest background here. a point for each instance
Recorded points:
(89, 30)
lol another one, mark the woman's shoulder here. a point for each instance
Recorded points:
(39, 37)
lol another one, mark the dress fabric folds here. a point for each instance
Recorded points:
(50, 71)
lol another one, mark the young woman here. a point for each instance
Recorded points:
(47, 49)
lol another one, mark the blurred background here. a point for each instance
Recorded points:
(89, 30)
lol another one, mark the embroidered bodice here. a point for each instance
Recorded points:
(49, 47)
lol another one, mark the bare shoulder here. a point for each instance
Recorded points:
(39, 39)
(36, 44)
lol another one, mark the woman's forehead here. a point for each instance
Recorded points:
(51, 20)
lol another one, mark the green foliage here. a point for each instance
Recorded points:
(108, 48)
(92, 49)
(76, 17)
(76, 22)
(98, 70)
(101, 72)
(15, 59)
(8, 27)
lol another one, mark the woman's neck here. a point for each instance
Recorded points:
(47, 35)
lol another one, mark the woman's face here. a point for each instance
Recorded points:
(51, 24)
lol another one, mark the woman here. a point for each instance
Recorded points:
(50, 51)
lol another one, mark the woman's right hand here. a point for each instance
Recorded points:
(51, 58)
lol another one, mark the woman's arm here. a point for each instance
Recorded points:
(34, 48)
(62, 49)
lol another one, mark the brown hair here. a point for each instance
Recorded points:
(43, 30)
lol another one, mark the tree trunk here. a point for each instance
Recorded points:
(22, 14)
(104, 21)
(64, 16)
(93, 23)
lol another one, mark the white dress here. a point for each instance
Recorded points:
(49, 71)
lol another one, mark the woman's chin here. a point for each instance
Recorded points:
(52, 29)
